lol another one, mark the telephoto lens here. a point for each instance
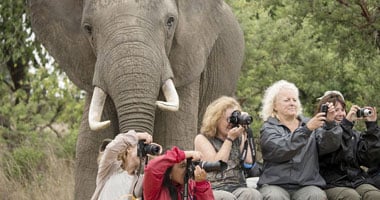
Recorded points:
(211, 166)
(144, 149)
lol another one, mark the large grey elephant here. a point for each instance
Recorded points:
(134, 56)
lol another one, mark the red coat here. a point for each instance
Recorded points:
(154, 175)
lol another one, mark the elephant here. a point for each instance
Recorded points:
(146, 65)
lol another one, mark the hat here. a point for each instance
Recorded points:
(331, 92)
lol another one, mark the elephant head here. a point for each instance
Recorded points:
(134, 56)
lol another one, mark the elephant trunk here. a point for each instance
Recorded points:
(134, 93)
(132, 68)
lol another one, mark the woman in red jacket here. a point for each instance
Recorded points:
(164, 177)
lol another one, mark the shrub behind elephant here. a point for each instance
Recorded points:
(139, 56)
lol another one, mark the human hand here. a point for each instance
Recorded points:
(317, 121)
(351, 115)
(373, 116)
(199, 174)
(144, 136)
(195, 155)
(235, 132)
(331, 113)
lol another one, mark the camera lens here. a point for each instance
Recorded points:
(245, 119)
(237, 118)
(363, 112)
(152, 149)
(212, 166)
(234, 118)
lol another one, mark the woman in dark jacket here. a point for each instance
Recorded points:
(342, 169)
(291, 145)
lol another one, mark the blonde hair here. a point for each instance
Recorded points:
(271, 94)
(214, 112)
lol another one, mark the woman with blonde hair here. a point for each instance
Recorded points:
(221, 140)
(119, 167)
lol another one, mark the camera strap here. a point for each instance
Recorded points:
(186, 179)
(249, 143)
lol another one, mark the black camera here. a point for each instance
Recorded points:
(363, 112)
(144, 149)
(210, 166)
(237, 118)
(324, 108)
(207, 166)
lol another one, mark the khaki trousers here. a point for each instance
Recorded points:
(363, 192)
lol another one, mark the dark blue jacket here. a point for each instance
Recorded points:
(291, 159)
(343, 167)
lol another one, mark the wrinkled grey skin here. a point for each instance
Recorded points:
(128, 48)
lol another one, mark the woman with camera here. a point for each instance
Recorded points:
(222, 138)
(342, 168)
(118, 171)
(291, 144)
(165, 176)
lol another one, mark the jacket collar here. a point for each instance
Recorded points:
(275, 121)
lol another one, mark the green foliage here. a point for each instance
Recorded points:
(318, 45)
(39, 105)
(32, 124)
(23, 161)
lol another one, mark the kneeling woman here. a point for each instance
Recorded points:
(164, 177)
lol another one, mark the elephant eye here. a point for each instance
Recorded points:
(170, 22)
(87, 28)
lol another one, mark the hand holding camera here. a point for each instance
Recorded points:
(199, 174)
(144, 148)
(329, 111)
(363, 112)
(198, 169)
(238, 121)
(194, 155)
(241, 118)
(144, 136)
(367, 113)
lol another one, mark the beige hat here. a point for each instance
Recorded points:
(331, 92)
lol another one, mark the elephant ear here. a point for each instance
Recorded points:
(194, 38)
(57, 25)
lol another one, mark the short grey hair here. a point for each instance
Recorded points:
(271, 94)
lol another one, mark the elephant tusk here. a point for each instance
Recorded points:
(171, 96)
(96, 109)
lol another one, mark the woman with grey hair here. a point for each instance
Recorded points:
(291, 145)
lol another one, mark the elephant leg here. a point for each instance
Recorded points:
(179, 128)
(86, 166)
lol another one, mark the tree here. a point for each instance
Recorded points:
(30, 79)
(18, 47)
(318, 45)
(36, 98)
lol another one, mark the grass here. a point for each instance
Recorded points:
(55, 181)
